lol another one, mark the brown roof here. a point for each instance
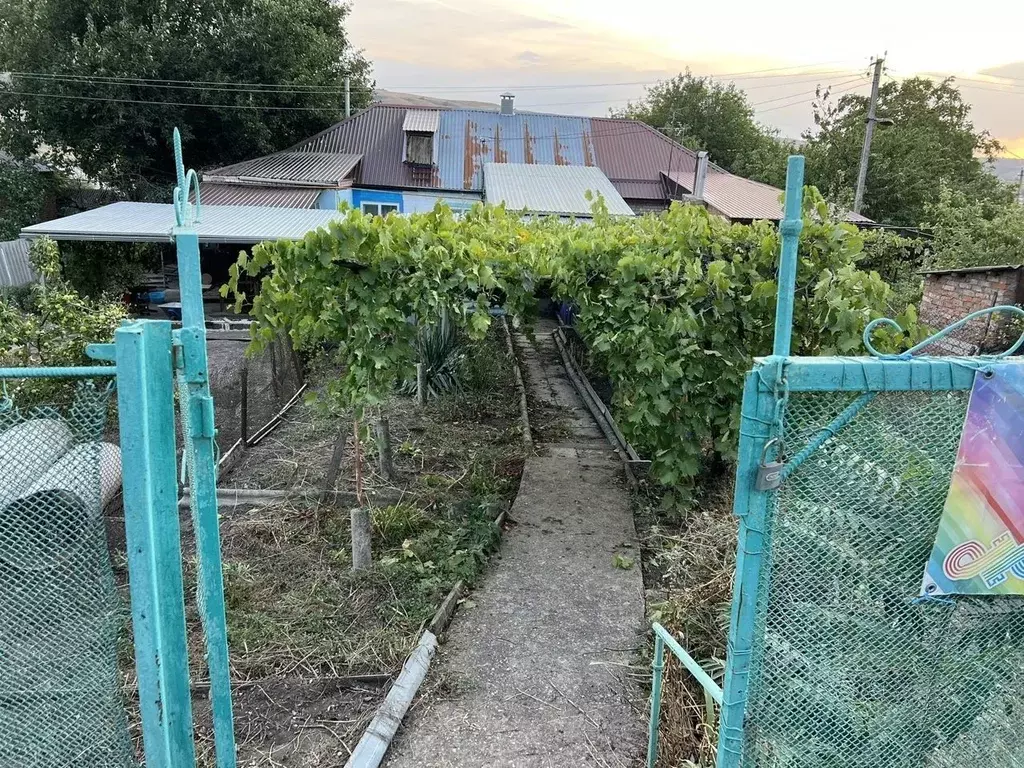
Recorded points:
(639, 161)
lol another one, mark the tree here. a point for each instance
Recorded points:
(702, 113)
(930, 143)
(974, 233)
(23, 190)
(82, 72)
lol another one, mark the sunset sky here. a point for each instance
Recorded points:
(601, 53)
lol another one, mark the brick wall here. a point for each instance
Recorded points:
(949, 296)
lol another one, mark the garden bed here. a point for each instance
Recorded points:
(314, 646)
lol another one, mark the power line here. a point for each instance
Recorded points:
(158, 103)
(808, 101)
(857, 80)
(298, 87)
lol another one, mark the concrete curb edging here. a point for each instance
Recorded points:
(376, 739)
(524, 413)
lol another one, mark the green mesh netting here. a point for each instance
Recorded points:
(848, 669)
(61, 704)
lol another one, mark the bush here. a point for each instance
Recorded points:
(969, 233)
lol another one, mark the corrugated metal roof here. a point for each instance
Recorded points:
(634, 155)
(154, 222)
(15, 266)
(245, 194)
(738, 198)
(421, 120)
(465, 140)
(317, 168)
(555, 189)
(468, 139)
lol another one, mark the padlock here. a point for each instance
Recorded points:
(769, 473)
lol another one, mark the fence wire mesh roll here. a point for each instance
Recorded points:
(850, 668)
(61, 620)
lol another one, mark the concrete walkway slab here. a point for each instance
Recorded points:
(535, 664)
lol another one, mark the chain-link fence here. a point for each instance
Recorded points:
(850, 668)
(61, 704)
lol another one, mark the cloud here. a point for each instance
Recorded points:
(529, 57)
(1012, 71)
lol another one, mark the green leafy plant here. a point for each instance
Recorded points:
(441, 351)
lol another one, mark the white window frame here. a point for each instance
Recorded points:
(378, 209)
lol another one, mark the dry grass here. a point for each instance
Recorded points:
(689, 564)
(314, 645)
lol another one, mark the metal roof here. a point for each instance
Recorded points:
(314, 168)
(247, 194)
(154, 222)
(738, 198)
(421, 120)
(15, 266)
(555, 189)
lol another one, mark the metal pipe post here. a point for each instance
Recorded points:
(145, 398)
(200, 436)
(790, 227)
(658, 666)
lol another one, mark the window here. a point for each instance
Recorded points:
(419, 148)
(379, 209)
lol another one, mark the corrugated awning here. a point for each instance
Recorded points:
(154, 223)
(244, 194)
(421, 121)
(15, 266)
(332, 169)
(551, 189)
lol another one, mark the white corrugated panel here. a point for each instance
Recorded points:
(422, 121)
(154, 222)
(15, 266)
(551, 189)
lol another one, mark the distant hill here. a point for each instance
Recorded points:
(429, 102)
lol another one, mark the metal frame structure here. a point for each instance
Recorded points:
(146, 357)
(766, 390)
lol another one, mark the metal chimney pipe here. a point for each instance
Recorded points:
(507, 103)
(700, 175)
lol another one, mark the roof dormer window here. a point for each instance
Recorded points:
(420, 128)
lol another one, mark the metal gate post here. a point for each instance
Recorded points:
(751, 508)
(200, 433)
(145, 399)
(760, 421)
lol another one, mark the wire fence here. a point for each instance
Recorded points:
(60, 615)
(852, 668)
(249, 392)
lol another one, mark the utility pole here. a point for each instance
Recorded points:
(348, 96)
(1020, 188)
(865, 152)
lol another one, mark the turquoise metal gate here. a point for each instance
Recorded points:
(61, 701)
(836, 657)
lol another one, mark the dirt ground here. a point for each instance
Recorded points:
(314, 646)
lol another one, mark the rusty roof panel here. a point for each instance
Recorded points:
(272, 197)
(467, 139)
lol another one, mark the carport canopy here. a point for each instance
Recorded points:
(127, 222)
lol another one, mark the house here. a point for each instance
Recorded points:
(391, 158)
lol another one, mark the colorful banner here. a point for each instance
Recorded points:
(979, 547)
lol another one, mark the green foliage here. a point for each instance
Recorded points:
(396, 523)
(22, 194)
(95, 268)
(974, 233)
(441, 352)
(59, 323)
(931, 142)
(897, 259)
(298, 48)
(355, 286)
(673, 307)
(703, 113)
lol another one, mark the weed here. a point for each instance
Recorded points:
(398, 522)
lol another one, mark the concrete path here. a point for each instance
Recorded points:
(532, 673)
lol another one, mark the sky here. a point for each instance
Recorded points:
(600, 54)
